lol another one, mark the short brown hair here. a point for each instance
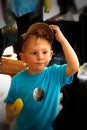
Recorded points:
(38, 29)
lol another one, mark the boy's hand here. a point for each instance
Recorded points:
(58, 34)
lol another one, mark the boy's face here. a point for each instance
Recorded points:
(37, 54)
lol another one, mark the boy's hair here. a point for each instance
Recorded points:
(41, 30)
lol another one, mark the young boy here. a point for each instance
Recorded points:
(39, 86)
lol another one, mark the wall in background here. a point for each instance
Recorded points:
(80, 3)
(55, 9)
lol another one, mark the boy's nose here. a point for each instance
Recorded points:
(40, 56)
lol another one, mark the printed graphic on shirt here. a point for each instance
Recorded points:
(38, 94)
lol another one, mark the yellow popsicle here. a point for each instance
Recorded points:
(17, 107)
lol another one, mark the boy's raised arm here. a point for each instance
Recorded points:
(70, 55)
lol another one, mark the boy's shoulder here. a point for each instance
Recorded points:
(19, 74)
(57, 66)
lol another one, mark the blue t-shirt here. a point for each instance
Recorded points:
(22, 7)
(40, 94)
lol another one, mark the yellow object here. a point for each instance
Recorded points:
(46, 5)
(17, 107)
(80, 68)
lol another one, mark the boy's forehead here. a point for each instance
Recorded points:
(34, 40)
(34, 43)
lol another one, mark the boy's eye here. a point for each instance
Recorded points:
(33, 53)
(44, 52)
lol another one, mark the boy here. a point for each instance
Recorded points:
(39, 86)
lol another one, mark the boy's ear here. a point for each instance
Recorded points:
(51, 54)
(22, 57)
